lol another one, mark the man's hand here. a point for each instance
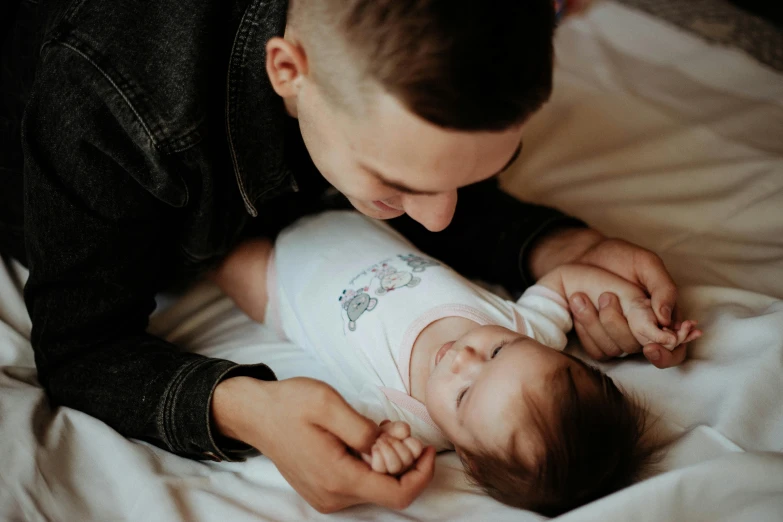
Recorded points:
(308, 430)
(604, 333)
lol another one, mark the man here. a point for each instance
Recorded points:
(160, 138)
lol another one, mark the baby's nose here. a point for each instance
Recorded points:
(466, 359)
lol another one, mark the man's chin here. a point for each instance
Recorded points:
(371, 210)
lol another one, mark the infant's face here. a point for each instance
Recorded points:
(477, 385)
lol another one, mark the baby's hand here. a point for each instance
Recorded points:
(394, 451)
(645, 328)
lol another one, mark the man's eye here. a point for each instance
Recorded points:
(460, 396)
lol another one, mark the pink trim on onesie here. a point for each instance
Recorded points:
(406, 402)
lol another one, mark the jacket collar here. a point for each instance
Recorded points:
(255, 114)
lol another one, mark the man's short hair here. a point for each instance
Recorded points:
(458, 64)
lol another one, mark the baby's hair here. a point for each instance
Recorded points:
(594, 442)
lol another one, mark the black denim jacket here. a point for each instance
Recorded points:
(152, 143)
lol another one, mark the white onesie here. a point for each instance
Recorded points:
(356, 294)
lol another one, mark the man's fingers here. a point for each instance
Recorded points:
(414, 481)
(677, 355)
(615, 324)
(656, 280)
(662, 358)
(588, 345)
(340, 419)
(586, 316)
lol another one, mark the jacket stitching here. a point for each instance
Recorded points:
(116, 87)
(164, 144)
(238, 51)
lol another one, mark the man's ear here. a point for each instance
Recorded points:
(286, 65)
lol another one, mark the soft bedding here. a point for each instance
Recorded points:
(654, 136)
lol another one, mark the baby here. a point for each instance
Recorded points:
(457, 367)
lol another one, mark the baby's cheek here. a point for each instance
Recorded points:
(438, 410)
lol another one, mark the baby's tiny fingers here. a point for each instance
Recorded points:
(647, 332)
(405, 454)
(367, 458)
(378, 464)
(400, 430)
(415, 446)
(695, 334)
(685, 329)
(390, 457)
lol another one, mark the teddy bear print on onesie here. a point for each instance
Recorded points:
(355, 304)
(391, 279)
(387, 278)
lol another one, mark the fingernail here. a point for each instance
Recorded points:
(604, 301)
(654, 355)
(579, 303)
(666, 312)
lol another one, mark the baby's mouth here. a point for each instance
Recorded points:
(443, 349)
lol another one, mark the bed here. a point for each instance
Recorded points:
(653, 135)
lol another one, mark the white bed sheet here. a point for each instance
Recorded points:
(653, 136)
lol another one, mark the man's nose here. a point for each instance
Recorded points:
(435, 212)
(466, 362)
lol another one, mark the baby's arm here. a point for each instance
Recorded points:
(242, 276)
(567, 280)
(394, 451)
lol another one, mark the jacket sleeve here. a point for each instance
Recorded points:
(99, 247)
(491, 235)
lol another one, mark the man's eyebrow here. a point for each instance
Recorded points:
(408, 190)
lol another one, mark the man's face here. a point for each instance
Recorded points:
(389, 162)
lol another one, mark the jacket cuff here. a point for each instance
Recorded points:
(187, 422)
(556, 221)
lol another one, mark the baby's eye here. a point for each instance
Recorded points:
(497, 349)
(461, 395)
